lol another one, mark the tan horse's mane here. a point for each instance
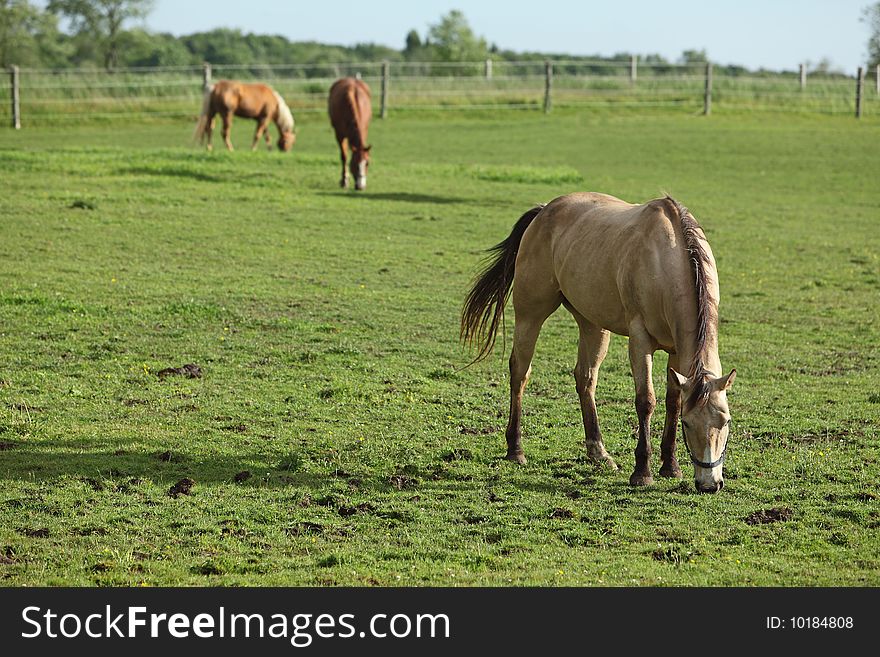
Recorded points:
(707, 313)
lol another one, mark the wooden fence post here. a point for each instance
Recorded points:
(16, 104)
(488, 69)
(633, 68)
(548, 86)
(803, 76)
(860, 83)
(385, 75)
(206, 75)
(707, 95)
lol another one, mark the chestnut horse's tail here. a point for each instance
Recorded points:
(202, 126)
(484, 305)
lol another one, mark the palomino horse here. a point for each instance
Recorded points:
(644, 271)
(350, 114)
(251, 101)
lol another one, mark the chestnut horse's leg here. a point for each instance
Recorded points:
(668, 463)
(227, 126)
(592, 348)
(344, 181)
(641, 353)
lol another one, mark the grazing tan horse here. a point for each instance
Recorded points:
(644, 271)
(251, 101)
(350, 113)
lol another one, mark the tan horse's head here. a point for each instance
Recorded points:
(705, 422)
(286, 141)
(360, 162)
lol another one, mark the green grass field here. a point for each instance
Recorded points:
(326, 326)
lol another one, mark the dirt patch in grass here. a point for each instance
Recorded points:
(305, 527)
(403, 482)
(672, 554)
(459, 454)
(237, 428)
(35, 533)
(471, 431)
(766, 516)
(4, 446)
(182, 487)
(190, 371)
(346, 510)
(244, 475)
(561, 514)
(207, 568)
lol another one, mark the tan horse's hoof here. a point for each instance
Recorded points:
(517, 457)
(603, 461)
(640, 479)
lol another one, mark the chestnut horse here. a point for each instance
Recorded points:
(251, 101)
(644, 271)
(350, 114)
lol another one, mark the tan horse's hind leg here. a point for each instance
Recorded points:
(531, 312)
(209, 132)
(641, 353)
(592, 348)
(668, 464)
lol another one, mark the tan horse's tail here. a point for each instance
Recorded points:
(202, 126)
(483, 308)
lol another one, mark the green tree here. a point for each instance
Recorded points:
(693, 57)
(452, 40)
(101, 21)
(141, 48)
(413, 45)
(29, 36)
(871, 16)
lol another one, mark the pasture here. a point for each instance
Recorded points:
(333, 437)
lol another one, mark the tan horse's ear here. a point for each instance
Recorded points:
(725, 382)
(676, 379)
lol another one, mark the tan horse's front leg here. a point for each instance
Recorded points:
(227, 127)
(668, 463)
(262, 124)
(641, 353)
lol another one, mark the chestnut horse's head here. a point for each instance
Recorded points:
(358, 165)
(286, 141)
(705, 423)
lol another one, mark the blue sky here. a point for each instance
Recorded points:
(775, 34)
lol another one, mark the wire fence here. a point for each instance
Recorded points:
(39, 97)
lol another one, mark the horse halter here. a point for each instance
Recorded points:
(703, 464)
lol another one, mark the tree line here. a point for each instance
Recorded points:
(104, 34)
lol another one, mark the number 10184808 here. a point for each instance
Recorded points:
(810, 623)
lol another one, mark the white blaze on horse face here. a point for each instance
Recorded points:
(360, 175)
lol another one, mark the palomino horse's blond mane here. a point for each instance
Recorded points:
(707, 310)
(284, 117)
